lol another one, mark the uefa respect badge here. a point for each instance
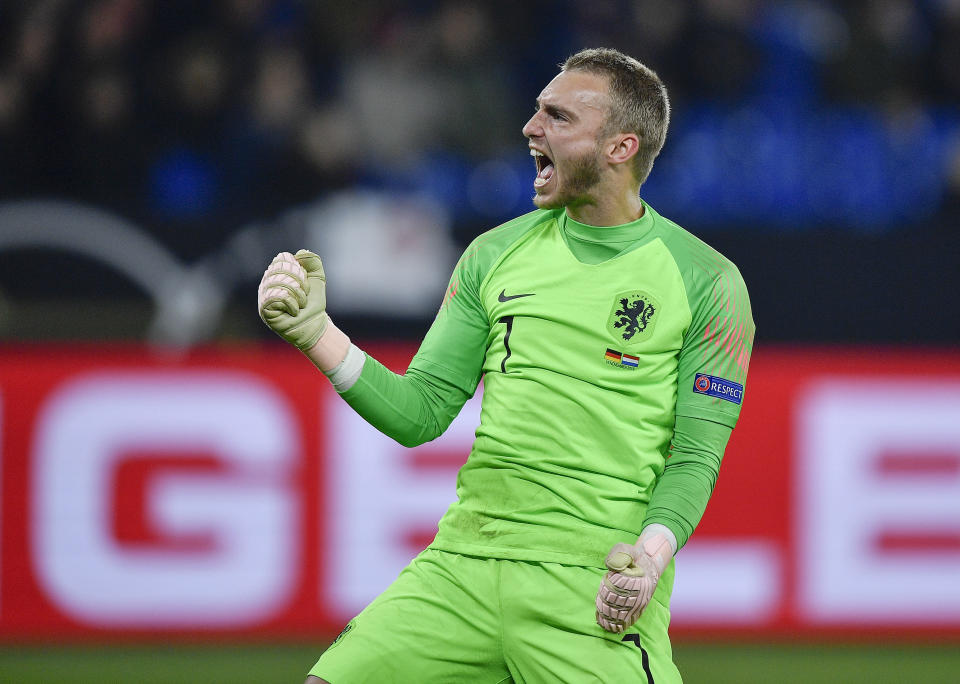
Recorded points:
(721, 388)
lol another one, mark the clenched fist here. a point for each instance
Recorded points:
(292, 298)
(627, 588)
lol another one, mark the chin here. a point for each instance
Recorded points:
(546, 202)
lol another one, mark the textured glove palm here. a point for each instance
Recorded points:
(627, 588)
(292, 298)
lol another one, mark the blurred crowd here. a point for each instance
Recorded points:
(196, 118)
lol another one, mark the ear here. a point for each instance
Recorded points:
(622, 147)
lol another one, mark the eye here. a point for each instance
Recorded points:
(550, 111)
(555, 114)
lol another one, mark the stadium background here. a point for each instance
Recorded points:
(154, 156)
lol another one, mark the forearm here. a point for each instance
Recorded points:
(681, 495)
(412, 409)
(680, 500)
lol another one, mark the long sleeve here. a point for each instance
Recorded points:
(412, 409)
(693, 464)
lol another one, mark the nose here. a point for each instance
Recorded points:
(533, 128)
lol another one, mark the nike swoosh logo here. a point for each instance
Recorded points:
(504, 297)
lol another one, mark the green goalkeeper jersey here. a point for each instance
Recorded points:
(591, 342)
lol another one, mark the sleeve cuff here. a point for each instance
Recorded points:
(347, 372)
(657, 528)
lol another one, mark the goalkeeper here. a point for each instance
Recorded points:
(613, 347)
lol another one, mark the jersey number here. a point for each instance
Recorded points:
(508, 321)
(644, 658)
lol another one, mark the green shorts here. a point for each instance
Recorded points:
(450, 618)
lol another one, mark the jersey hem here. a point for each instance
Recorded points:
(536, 555)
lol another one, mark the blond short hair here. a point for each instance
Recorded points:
(639, 101)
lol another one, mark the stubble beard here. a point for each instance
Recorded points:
(581, 176)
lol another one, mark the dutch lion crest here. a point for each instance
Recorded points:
(633, 316)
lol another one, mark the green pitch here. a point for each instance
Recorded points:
(713, 663)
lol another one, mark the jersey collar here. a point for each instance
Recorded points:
(603, 234)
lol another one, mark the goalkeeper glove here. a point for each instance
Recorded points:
(627, 588)
(292, 298)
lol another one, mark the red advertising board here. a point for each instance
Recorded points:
(229, 492)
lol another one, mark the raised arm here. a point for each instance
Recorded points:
(412, 408)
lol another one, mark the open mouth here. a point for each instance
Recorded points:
(544, 168)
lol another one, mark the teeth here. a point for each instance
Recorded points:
(535, 153)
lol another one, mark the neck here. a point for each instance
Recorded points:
(612, 209)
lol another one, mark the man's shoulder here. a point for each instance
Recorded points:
(497, 240)
(689, 251)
